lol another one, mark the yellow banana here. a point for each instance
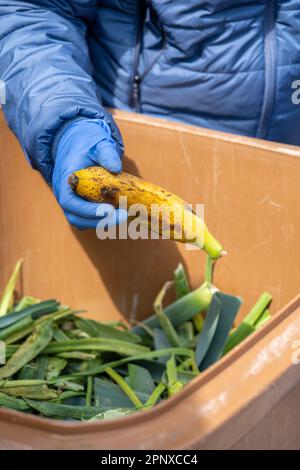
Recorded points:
(164, 212)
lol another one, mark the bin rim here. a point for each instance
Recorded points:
(276, 147)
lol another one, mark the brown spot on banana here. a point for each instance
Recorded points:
(73, 181)
(109, 194)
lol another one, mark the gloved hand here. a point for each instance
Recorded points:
(82, 144)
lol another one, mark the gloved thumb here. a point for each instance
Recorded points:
(106, 154)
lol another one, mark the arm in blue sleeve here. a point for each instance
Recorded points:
(47, 73)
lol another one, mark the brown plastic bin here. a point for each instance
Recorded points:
(251, 192)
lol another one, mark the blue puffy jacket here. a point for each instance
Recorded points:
(224, 64)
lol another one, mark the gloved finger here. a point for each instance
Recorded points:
(105, 154)
(115, 132)
(121, 216)
(118, 217)
(81, 136)
(80, 222)
(79, 147)
(74, 204)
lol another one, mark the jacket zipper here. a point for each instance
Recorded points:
(136, 77)
(270, 70)
(135, 90)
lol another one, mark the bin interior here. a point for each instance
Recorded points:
(250, 190)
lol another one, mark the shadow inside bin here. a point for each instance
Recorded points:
(133, 271)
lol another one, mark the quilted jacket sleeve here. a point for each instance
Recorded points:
(44, 63)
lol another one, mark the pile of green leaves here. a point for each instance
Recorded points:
(63, 365)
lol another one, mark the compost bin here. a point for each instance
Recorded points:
(251, 192)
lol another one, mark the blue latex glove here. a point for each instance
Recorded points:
(82, 144)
